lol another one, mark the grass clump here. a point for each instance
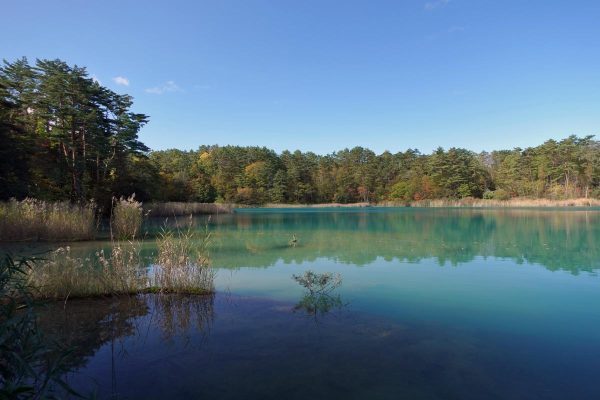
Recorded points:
(36, 220)
(183, 264)
(127, 217)
(63, 275)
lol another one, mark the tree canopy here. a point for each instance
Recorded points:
(556, 169)
(65, 136)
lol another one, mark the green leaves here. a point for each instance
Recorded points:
(73, 135)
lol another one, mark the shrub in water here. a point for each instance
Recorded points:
(318, 298)
(317, 283)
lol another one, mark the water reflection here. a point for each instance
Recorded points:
(556, 239)
(317, 305)
(177, 315)
(258, 349)
(319, 297)
(88, 324)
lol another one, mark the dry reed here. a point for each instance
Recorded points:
(173, 209)
(31, 220)
(63, 276)
(127, 217)
(183, 263)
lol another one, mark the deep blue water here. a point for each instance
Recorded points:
(434, 304)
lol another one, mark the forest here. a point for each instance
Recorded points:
(66, 137)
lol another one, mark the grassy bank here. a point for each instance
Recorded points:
(31, 220)
(36, 220)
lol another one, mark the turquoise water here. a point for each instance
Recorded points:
(434, 304)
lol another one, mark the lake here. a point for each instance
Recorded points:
(433, 304)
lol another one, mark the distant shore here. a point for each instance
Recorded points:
(514, 202)
(176, 208)
(436, 203)
(319, 205)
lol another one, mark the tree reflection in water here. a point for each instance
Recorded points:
(319, 305)
(85, 325)
(558, 240)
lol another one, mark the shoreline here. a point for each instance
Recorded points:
(441, 203)
(175, 209)
(183, 208)
(317, 205)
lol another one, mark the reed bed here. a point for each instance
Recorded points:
(36, 220)
(514, 202)
(181, 265)
(126, 219)
(172, 209)
(63, 275)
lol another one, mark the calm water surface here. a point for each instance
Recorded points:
(434, 304)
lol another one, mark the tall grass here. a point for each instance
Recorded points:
(183, 263)
(30, 220)
(174, 209)
(63, 275)
(127, 217)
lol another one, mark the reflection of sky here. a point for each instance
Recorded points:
(500, 294)
(405, 342)
(557, 239)
(485, 293)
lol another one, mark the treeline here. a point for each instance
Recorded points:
(65, 136)
(556, 169)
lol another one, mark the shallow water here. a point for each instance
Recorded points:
(434, 304)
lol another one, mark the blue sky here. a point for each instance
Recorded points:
(324, 75)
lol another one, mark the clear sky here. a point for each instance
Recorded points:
(324, 75)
